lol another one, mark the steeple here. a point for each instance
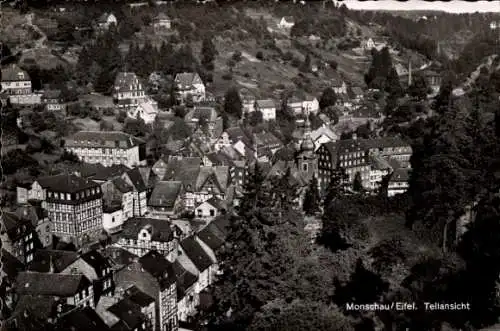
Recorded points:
(307, 143)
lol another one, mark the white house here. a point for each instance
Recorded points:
(106, 147)
(368, 44)
(210, 208)
(323, 135)
(339, 86)
(267, 108)
(112, 218)
(128, 90)
(162, 22)
(310, 105)
(190, 83)
(398, 182)
(287, 22)
(15, 81)
(147, 111)
(106, 20)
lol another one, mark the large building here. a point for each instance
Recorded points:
(350, 154)
(74, 206)
(128, 90)
(190, 83)
(15, 81)
(107, 148)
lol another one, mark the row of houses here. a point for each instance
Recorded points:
(119, 287)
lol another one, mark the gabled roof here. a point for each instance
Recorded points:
(162, 17)
(82, 319)
(400, 175)
(202, 113)
(160, 229)
(196, 253)
(187, 79)
(212, 236)
(266, 138)
(289, 19)
(185, 280)
(138, 297)
(66, 183)
(120, 256)
(40, 283)
(128, 312)
(220, 174)
(97, 261)
(158, 267)
(165, 194)
(268, 103)
(11, 266)
(127, 81)
(109, 139)
(379, 163)
(136, 178)
(98, 172)
(121, 185)
(185, 170)
(52, 94)
(60, 260)
(42, 307)
(15, 226)
(14, 74)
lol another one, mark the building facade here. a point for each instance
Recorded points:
(15, 81)
(128, 90)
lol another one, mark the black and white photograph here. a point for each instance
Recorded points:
(249, 165)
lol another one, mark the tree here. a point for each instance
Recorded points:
(337, 186)
(236, 56)
(387, 254)
(255, 118)
(306, 65)
(418, 88)
(357, 185)
(328, 98)
(208, 53)
(232, 103)
(312, 198)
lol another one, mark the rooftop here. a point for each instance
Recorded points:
(40, 283)
(109, 139)
(160, 229)
(165, 194)
(196, 253)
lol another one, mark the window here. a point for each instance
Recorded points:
(304, 167)
(212, 212)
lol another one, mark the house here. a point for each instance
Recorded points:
(357, 93)
(82, 319)
(190, 83)
(433, 79)
(391, 148)
(322, 135)
(106, 20)
(73, 289)
(107, 147)
(206, 116)
(97, 269)
(122, 314)
(162, 22)
(18, 236)
(118, 193)
(265, 140)
(350, 154)
(15, 81)
(267, 108)
(134, 178)
(39, 218)
(310, 105)
(112, 218)
(194, 258)
(339, 86)
(187, 298)
(295, 105)
(11, 267)
(247, 100)
(145, 302)
(210, 208)
(140, 235)
(368, 44)
(164, 165)
(74, 206)
(155, 276)
(166, 199)
(398, 182)
(52, 260)
(287, 22)
(379, 169)
(128, 90)
(53, 100)
(146, 110)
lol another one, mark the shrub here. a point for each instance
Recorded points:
(108, 112)
(121, 116)
(236, 56)
(227, 76)
(259, 56)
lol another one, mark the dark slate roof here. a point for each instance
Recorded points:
(39, 283)
(97, 261)
(223, 223)
(158, 267)
(400, 175)
(14, 74)
(66, 183)
(385, 142)
(185, 170)
(128, 312)
(41, 306)
(136, 178)
(82, 319)
(186, 79)
(215, 202)
(220, 174)
(99, 172)
(138, 297)
(52, 94)
(165, 194)
(106, 139)
(160, 229)
(196, 253)
(121, 185)
(15, 227)
(237, 133)
(44, 257)
(185, 280)
(266, 138)
(11, 266)
(212, 236)
(268, 103)
(120, 256)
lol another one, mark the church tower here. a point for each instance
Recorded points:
(307, 160)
